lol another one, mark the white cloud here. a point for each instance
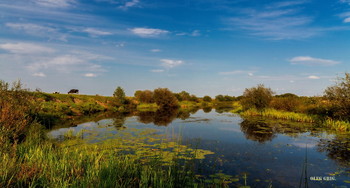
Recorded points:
(157, 70)
(313, 77)
(169, 63)
(347, 20)
(39, 74)
(96, 32)
(129, 4)
(55, 3)
(90, 75)
(279, 21)
(148, 32)
(194, 33)
(250, 73)
(155, 50)
(38, 30)
(25, 48)
(307, 60)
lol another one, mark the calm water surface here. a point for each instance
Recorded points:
(259, 152)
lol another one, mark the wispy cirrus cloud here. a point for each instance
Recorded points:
(157, 70)
(148, 32)
(96, 32)
(311, 61)
(313, 77)
(38, 60)
(170, 63)
(235, 72)
(55, 3)
(129, 4)
(90, 75)
(278, 21)
(39, 74)
(38, 30)
(26, 48)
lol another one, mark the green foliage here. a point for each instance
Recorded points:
(219, 98)
(144, 96)
(165, 98)
(339, 97)
(286, 103)
(257, 97)
(207, 98)
(119, 94)
(15, 109)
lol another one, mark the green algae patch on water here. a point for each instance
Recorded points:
(144, 144)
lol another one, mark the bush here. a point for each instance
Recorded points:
(257, 97)
(290, 104)
(144, 96)
(207, 98)
(339, 97)
(15, 110)
(165, 98)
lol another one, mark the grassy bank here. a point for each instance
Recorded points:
(337, 125)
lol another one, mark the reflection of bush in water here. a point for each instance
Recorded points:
(221, 110)
(207, 109)
(257, 130)
(161, 117)
(119, 119)
(337, 149)
(146, 117)
(164, 117)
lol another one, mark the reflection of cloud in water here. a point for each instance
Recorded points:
(304, 144)
(87, 125)
(233, 129)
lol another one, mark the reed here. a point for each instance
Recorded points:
(272, 113)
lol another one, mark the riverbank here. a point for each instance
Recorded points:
(337, 125)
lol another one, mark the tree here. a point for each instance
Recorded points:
(165, 98)
(144, 96)
(207, 98)
(119, 94)
(184, 96)
(257, 97)
(339, 96)
(219, 98)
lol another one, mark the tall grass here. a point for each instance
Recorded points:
(341, 126)
(48, 166)
(272, 113)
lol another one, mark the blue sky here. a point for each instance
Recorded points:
(205, 47)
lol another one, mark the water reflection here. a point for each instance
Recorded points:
(159, 117)
(337, 149)
(207, 109)
(257, 130)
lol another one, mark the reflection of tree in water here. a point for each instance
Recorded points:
(119, 120)
(183, 114)
(257, 130)
(207, 109)
(161, 117)
(164, 117)
(337, 149)
(221, 110)
(146, 117)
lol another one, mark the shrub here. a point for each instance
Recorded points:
(15, 109)
(165, 98)
(339, 96)
(257, 97)
(144, 96)
(207, 98)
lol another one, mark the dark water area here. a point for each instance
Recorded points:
(255, 152)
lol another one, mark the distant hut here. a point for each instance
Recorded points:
(73, 91)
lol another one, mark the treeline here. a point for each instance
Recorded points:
(333, 108)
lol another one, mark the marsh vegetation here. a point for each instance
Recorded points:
(164, 139)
